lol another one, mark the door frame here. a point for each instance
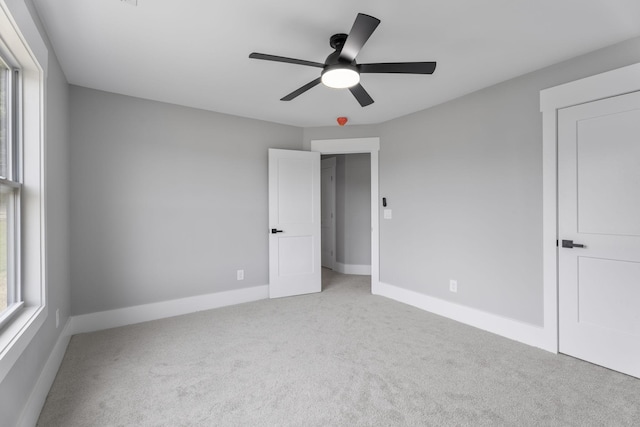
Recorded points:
(353, 146)
(605, 85)
(333, 162)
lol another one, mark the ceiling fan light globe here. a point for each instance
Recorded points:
(340, 78)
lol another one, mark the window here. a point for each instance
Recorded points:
(23, 290)
(10, 292)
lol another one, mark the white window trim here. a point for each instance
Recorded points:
(20, 34)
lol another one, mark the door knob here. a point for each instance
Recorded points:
(569, 244)
(274, 231)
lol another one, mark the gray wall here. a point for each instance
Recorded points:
(166, 201)
(353, 209)
(464, 180)
(17, 386)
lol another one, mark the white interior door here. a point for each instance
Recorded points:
(599, 207)
(328, 212)
(294, 221)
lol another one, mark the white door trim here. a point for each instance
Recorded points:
(331, 161)
(361, 145)
(612, 83)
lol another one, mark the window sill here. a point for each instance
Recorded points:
(9, 313)
(16, 336)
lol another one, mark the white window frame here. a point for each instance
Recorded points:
(20, 37)
(13, 183)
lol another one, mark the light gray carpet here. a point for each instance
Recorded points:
(340, 358)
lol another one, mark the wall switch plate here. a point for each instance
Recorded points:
(453, 285)
(57, 318)
(240, 275)
(387, 214)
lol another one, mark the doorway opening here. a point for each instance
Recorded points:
(345, 215)
(365, 148)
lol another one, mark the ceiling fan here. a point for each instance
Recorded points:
(340, 69)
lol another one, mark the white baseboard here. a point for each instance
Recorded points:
(362, 270)
(522, 332)
(143, 313)
(33, 407)
(121, 317)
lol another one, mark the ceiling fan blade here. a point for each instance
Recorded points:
(361, 95)
(266, 57)
(362, 29)
(399, 67)
(301, 90)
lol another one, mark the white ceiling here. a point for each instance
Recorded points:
(195, 52)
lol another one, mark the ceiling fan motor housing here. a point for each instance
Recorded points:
(337, 42)
(341, 66)
(346, 72)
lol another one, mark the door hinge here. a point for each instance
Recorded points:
(556, 243)
(331, 177)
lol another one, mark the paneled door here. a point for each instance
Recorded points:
(599, 231)
(294, 223)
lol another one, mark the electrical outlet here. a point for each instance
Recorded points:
(453, 285)
(57, 318)
(240, 275)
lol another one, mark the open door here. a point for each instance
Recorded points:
(294, 223)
